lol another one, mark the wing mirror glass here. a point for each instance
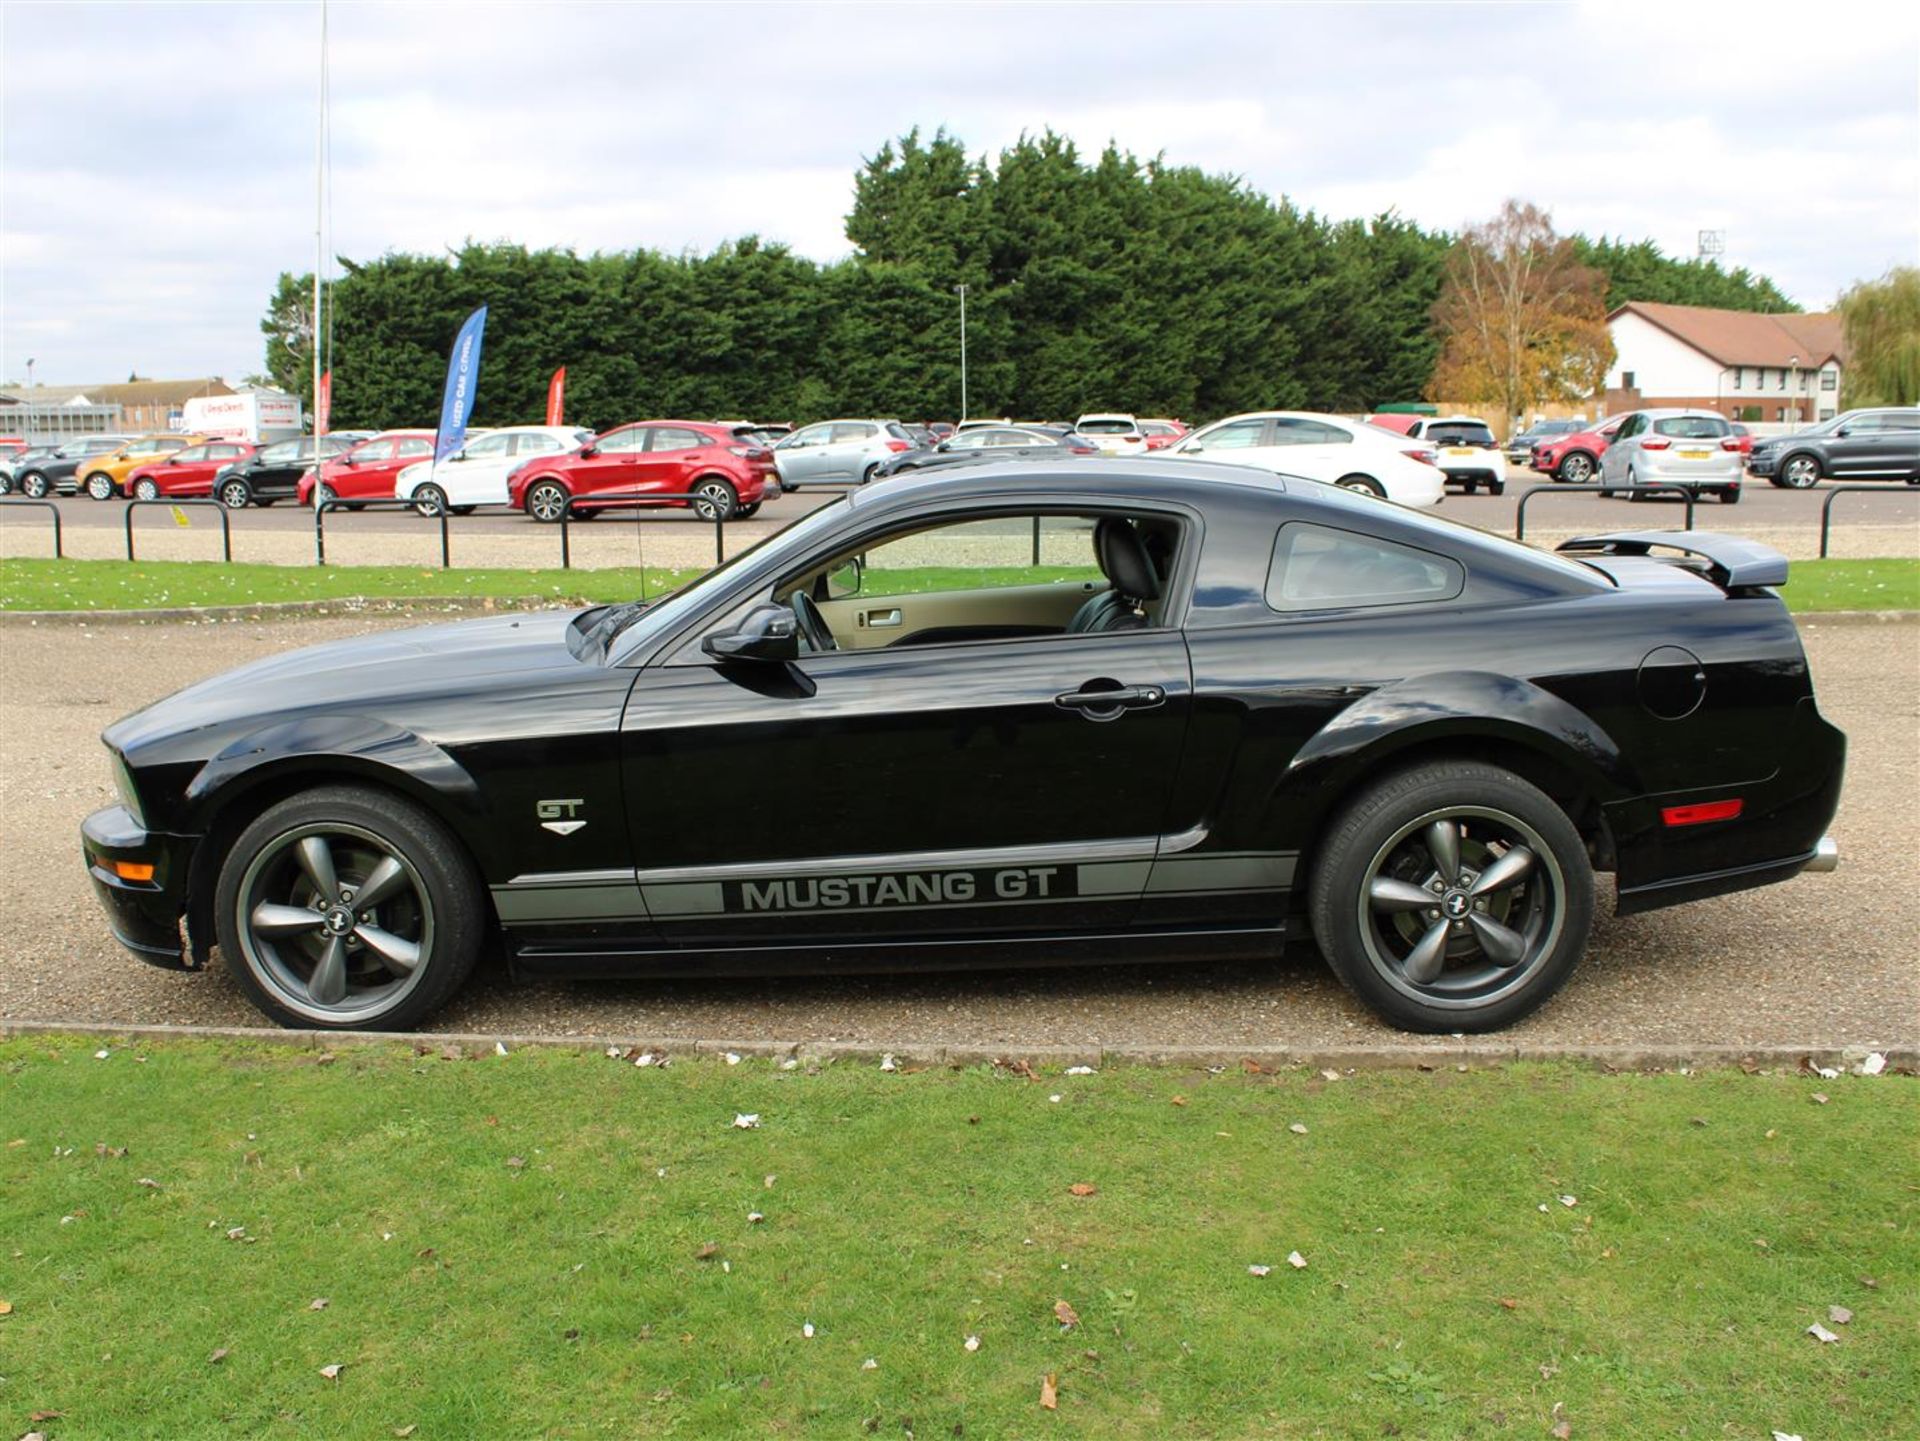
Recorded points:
(767, 633)
(844, 580)
(588, 450)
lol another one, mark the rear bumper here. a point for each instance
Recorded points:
(144, 916)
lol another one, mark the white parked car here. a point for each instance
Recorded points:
(1114, 434)
(476, 474)
(1326, 448)
(838, 451)
(1465, 451)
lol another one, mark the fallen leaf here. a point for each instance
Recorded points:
(972, 1343)
(1049, 1393)
(219, 1354)
(1873, 1065)
(1821, 1333)
(1329, 1075)
(869, 1364)
(405, 1431)
(1785, 1436)
(6, 1308)
(1561, 1430)
(1065, 1314)
(516, 1162)
(1179, 1100)
(732, 1059)
(332, 1373)
(1296, 1260)
(1819, 1098)
(708, 1250)
(236, 1233)
(16, 1142)
(807, 1330)
(1252, 1067)
(318, 1303)
(1509, 1303)
(46, 1416)
(449, 1053)
(747, 1122)
(101, 1055)
(1297, 1129)
(1258, 1270)
(887, 1063)
(754, 1218)
(1054, 1099)
(1569, 1201)
(1870, 1283)
(1839, 1315)
(325, 1058)
(1697, 1121)
(1083, 1188)
(148, 1182)
(1079, 1070)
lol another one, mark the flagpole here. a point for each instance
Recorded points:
(319, 214)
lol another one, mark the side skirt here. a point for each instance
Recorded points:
(585, 961)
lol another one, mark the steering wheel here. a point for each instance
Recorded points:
(813, 625)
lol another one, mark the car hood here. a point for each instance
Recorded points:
(387, 675)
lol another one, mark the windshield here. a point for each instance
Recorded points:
(665, 612)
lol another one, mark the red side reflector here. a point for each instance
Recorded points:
(1702, 813)
(133, 870)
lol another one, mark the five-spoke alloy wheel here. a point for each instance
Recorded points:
(348, 908)
(1453, 897)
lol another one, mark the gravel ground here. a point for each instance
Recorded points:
(1820, 961)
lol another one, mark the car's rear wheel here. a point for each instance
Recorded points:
(866, 476)
(34, 485)
(235, 493)
(464, 509)
(714, 499)
(1729, 496)
(99, 486)
(547, 501)
(1497, 487)
(1363, 484)
(1800, 472)
(145, 489)
(326, 495)
(1575, 468)
(349, 908)
(1453, 896)
(429, 499)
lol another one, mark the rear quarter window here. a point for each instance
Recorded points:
(1316, 567)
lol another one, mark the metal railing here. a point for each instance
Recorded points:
(24, 502)
(1835, 492)
(596, 506)
(226, 524)
(320, 524)
(1685, 492)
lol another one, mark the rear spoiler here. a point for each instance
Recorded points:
(1733, 562)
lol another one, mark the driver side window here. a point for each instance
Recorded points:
(976, 554)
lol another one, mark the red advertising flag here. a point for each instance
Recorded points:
(323, 404)
(557, 396)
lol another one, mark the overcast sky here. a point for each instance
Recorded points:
(158, 166)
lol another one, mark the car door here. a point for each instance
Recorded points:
(614, 466)
(1237, 442)
(802, 456)
(276, 468)
(1898, 446)
(1621, 449)
(476, 474)
(907, 790)
(366, 470)
(671, 459)
(849, 451)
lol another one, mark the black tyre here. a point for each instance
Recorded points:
(35, 485)
(1729, 496)
(266, 502)
(351, 909)
(748, 512)
(6, 484)
(1452, 896)
(1362, 485)
(234, 493)
(100, 486)
(429, 499)
(324, 495)
(1575, 468)
(547, 501)
(145, 489)
(1497, 487)
(464, 509)
(866, 476)
(714, 499)
(1799, 472)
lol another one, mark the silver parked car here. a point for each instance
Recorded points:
(1692, 448)
(838, 451)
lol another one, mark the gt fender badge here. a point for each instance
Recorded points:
(559, 816)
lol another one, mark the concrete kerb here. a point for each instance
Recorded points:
(1448, 1054)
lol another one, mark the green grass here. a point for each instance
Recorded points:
(1815, 585)
(1718, 1215)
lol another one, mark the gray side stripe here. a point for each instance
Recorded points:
(987, 858)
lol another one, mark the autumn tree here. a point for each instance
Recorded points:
(1882, 322)
(1521, 321)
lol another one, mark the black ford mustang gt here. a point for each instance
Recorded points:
(1029, 714)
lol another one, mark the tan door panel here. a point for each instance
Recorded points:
(870, 622)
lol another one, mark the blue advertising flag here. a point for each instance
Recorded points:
(463, 378)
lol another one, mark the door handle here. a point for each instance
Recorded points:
(1110, 704)
(881, 618)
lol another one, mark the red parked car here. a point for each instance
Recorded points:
(1575, 458)
(698, 463)
(187, 472)
(366, 472)
(1163, 433)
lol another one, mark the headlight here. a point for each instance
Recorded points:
(123, 783)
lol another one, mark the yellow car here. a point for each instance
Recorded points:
(100, 476)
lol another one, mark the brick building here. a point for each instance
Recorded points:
(134, 407)
(1747, 366)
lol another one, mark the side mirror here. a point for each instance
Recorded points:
(458, 455)
(1843, 432)
(589, 450)
(845, 580)
(768, 633)
(944, 446)
(1190, 448)
(348, 459)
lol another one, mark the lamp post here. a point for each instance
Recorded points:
(1793, 386)
(29, 372)
(961, 291)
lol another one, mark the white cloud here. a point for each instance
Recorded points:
(145, 232)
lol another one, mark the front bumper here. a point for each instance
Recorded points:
(144, 915)
(1762, 463)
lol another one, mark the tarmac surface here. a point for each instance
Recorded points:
(1821, 961)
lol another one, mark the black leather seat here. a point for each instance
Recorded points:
(1124, 561)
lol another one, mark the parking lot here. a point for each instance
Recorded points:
(1883, 521)
(1818, 961)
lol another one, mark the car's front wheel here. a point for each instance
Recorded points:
(1801, 472)
(34, 485)
(234, 494)
(1575, 469)
(349, 908)
(547, 501)
(429, 500)
(1453, 896)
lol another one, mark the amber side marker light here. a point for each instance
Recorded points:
(1702, 813)
(133, 870)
